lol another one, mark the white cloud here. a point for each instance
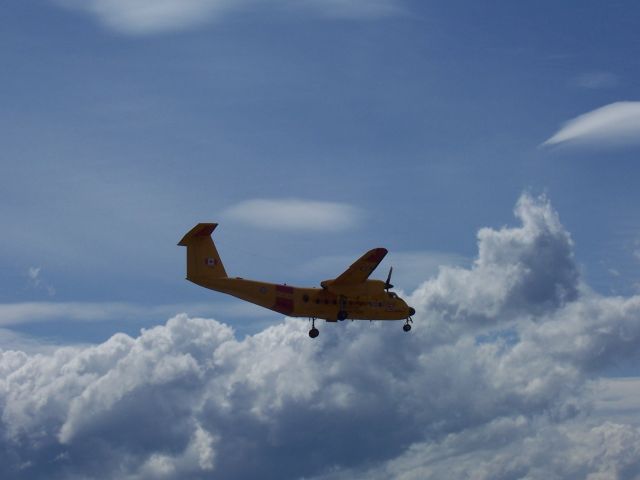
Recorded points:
(28, 312)
(33, 312)
(501, 377)
(518, 447)
(296, 215)
(153, 16)
(617, 399)
(11, 340)
(596, 80)
(614, 124)
(523, 270)
(36, 280)
(34, 273)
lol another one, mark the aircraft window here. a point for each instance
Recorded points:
(317, 300)
(326, 301)
(305, 298)
(335, 303)
(380, 304)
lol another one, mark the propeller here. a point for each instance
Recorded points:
(387, 284)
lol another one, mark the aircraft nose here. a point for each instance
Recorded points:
(411, 311)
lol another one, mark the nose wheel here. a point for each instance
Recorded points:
(314, 332)
(407, 326)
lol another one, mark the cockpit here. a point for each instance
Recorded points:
(392, 295)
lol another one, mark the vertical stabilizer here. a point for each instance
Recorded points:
(203, 261)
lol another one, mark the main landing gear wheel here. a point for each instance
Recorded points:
(314, 332)
(342, 315)
(407, 326)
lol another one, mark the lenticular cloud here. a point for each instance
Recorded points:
(493, 382)
(143, 17)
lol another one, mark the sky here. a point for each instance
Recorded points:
(491, 148)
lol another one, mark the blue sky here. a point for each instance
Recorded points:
(426, 117)
(404, 124)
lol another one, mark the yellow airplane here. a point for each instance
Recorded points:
(351, 295)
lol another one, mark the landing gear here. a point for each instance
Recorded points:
(407, 326)
(342, 315)
(314, 332)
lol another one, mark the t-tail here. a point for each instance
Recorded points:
(203, 261)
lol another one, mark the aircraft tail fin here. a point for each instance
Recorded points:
(203, 260)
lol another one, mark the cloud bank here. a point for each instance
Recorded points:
(293, 214)
(614, 124)
(139, 17)
(495, 381)
(12, 314)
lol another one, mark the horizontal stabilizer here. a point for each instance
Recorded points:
(199, 231)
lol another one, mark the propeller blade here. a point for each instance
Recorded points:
(387, 284)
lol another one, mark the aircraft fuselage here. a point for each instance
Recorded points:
(312, 302)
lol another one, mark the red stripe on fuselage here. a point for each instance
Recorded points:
(284, 289)
(283, 305)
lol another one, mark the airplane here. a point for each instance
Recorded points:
(351, 295)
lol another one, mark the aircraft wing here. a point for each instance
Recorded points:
(361, 268)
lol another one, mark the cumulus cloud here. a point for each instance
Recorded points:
(618, 399)
(614, 124)
(519, 447)
(496, 380)
(153, 16)
(518, 271)
(295, 214)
